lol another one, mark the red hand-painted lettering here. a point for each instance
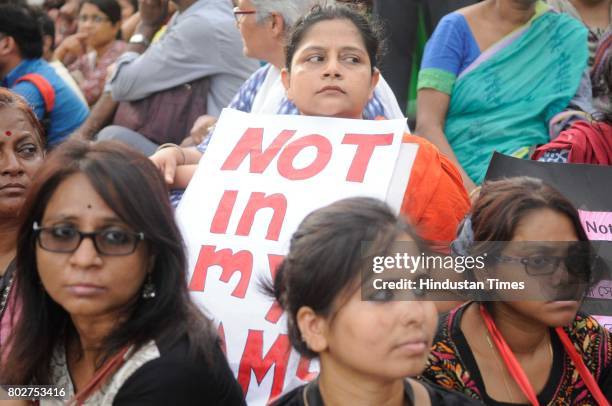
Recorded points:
(251, 145)
(366, 143)
(258, 200)
(253, 360)
(241, 261)
(285, 161)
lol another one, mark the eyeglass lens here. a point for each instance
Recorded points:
(108, 242)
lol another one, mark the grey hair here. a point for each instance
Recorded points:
(290, 10)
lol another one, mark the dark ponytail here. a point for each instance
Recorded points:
(325, 257)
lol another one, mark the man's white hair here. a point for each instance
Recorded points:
(290, 10)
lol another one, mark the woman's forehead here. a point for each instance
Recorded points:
(15, 126)
(13, 119)
(339, 33)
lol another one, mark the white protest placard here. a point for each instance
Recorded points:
(260, 176)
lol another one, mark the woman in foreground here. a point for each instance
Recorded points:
(540, 351)
(105, 311)
(366, 346)
(331, 71)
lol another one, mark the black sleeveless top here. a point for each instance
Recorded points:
(309, 395)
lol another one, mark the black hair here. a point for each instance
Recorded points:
(501, 206)
(325, 257)
(370, 31)
(601, 78)
(604, 89)
(23, 3)
(134, 4)
(133, 188)
(21, 23)
(110, 8)
(52, 4)
(47, 26)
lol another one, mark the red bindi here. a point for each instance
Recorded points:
(8, 133)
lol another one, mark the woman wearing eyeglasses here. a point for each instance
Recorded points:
(536, 352)
(21, 154)
(105, 311)
(94, 47)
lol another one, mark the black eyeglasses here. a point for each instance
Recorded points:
(239, 12)
(67, 239)
(542, 265)
(94, 19)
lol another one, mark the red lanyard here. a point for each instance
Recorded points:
(519, 375)
(100, 378)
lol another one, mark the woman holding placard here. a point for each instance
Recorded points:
(540, 351)
(334, 74)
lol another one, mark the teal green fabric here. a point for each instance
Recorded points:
(505, 104)
(438, 79)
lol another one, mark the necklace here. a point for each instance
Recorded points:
(501, 366)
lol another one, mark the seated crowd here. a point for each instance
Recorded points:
(107, 108)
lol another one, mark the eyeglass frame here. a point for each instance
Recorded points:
(524, 261)
(82, 235)
(96, 19)
(238, 12)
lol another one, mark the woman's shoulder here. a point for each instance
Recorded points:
(442, 396)
(428, 153)
(471, 10)
(591, 336)
(448, 369)
(450, 31)
(293, 398)
(435, 187)
(586, 325)
(444, 346)
(176, 376)
(455, 19)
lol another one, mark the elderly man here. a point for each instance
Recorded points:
(264, 25)
(200, 41)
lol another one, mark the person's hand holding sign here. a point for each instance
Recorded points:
(200, 129)
(176, 164)
(167, 158)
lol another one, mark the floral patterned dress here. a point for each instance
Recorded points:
(90, 72)
(452, 365)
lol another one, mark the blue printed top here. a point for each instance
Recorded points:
(449, 51)
(69, 111)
